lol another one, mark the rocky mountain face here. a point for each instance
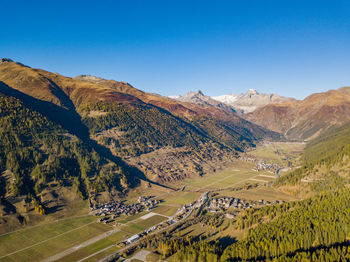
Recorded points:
(251, 100)
(308, 118)
(200, 99)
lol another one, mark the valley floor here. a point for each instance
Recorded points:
(82, 238)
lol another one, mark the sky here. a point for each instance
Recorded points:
(288, 47)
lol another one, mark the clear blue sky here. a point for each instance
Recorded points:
(289, 47)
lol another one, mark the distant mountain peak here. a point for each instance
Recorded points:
(195, 93)
(199, 98)
(252, 92)
(251, 100)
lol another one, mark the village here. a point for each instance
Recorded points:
(118, 208)
(261, 165)
(223, 203)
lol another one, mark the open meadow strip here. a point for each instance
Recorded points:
(21, 239)
(58, 243)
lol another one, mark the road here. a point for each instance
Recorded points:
(95, 239)
(186, 216)
(200, 201)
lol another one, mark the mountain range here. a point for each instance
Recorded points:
(295, 119)
(241, 103)
(98, 135)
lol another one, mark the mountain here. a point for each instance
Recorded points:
(308, 118)
(200, 99)
(312, 228)
(325, 164)
(102, 135)
(240, 104)
(251, 100)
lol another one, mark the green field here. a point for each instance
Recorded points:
(278, 151)
(43, 241)
(147, 223)
(166, 210)
(97, 246)
(240, 173)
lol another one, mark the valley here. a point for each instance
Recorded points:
(97, 170)
(82, 238)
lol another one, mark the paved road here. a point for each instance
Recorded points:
(81, 245)
(95, 239)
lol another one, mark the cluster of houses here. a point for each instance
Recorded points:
(261, 165)
(266, 166)
(223, 203)
(148, 202)
(183, 211)
(117, 208)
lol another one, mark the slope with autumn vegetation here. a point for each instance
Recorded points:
(97, 135)
(325, 164)
(308, 118)
(312, 229)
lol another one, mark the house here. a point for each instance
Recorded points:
(133, 238)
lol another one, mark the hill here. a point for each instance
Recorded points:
(325, 164)
(308, 118)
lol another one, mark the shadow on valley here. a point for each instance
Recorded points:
(68, 118)
(227, 241)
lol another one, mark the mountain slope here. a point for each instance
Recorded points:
(325, 164)
(308, 118)
(123, 123)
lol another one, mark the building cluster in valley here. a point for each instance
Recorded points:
(261, 165)
(118, 208)
(223, 203)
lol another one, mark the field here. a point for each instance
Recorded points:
(278, 152)
(99, 245)
(255, 194)
(40, 242)
(240, 172)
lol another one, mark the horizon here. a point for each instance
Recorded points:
(292, 49)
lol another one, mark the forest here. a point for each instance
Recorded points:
(36, 152)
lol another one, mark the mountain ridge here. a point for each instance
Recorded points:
(122, 123)
(239, 103)
(308, 118)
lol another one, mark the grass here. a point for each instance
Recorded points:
(180, 198)
(222, 179)
(165, 210)
(147, 223)
(278, 151)
(265, 193)
(26, 237)
(47, 240)
(125, 219)
(99, 245)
